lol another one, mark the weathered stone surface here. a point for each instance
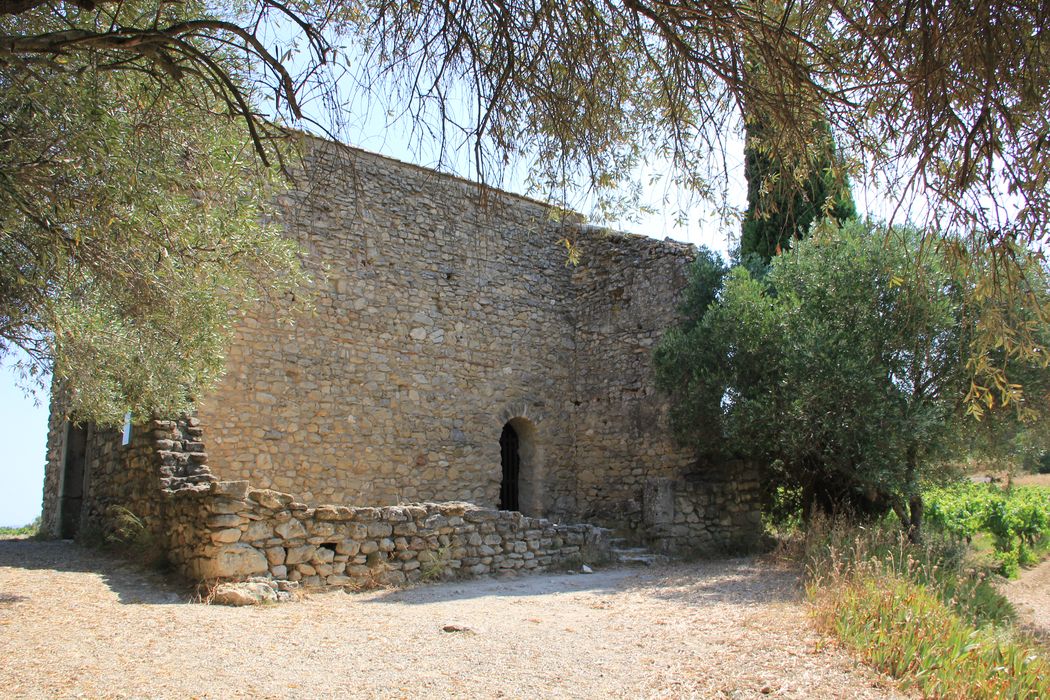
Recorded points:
(228, 535)
(233, 561)
(235, 490)
(270, 499)
(275, 555)
(229, 520)
(257, 531)
(290, 530)
(300, 554)
(251, 593)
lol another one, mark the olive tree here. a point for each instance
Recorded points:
(842, 371)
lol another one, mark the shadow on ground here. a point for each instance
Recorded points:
(133, 584)
(744, 581)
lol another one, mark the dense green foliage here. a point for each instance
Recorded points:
(841, 371)
(133, 213)
(1017, 518)
(822, 371)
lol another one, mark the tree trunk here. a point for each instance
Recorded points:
(915, 526)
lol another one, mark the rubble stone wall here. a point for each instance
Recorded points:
(440, 312)
(627, 292)
(121, 480)
(710, 512)
(437, 309)
(227, 530)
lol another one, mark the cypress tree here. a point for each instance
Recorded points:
(780, 208)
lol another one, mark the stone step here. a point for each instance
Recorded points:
(643, 559)
(638, 556)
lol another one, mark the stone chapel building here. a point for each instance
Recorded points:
(450, 353)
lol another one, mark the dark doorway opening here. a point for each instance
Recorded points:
(73, 480)
(511, 460)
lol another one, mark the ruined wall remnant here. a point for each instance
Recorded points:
(440, 312)
(231, 531)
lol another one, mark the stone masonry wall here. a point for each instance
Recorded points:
(627, 291)
(161, 454)
(710, 512)
(441, 312)
(435, 307)
(227, 530)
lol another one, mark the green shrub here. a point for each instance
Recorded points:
(1018, 518)
(30, 530)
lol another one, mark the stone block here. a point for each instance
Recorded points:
(333, 513)
(302, 553)
(232, 561)
(222, 506)
(234, 490)
(238, 594)
(275, 555)
(290, 530)
(379, 529)
(258, 531)
(226, 536)
(222, 521)
(274, 500)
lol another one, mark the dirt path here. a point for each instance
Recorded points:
(1030, 594)
(75, 624)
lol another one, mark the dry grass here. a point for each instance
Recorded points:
(1033, 480)
(76, 624)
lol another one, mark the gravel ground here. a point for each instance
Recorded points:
(76, 624)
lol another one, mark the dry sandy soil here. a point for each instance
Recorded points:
(1030, 594)
(74, 623)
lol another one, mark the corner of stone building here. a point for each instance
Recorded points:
(96, 488)
(713, 510)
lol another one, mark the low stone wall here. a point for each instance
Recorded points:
(225, 530)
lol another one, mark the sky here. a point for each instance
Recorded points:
(23, 434)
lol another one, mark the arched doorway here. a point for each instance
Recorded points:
(521, 460)
(510, 459)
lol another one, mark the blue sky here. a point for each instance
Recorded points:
(23, 434)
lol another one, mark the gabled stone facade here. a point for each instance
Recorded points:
(440, 313)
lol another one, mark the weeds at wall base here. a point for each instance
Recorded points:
(903, 629)
(918, 612)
